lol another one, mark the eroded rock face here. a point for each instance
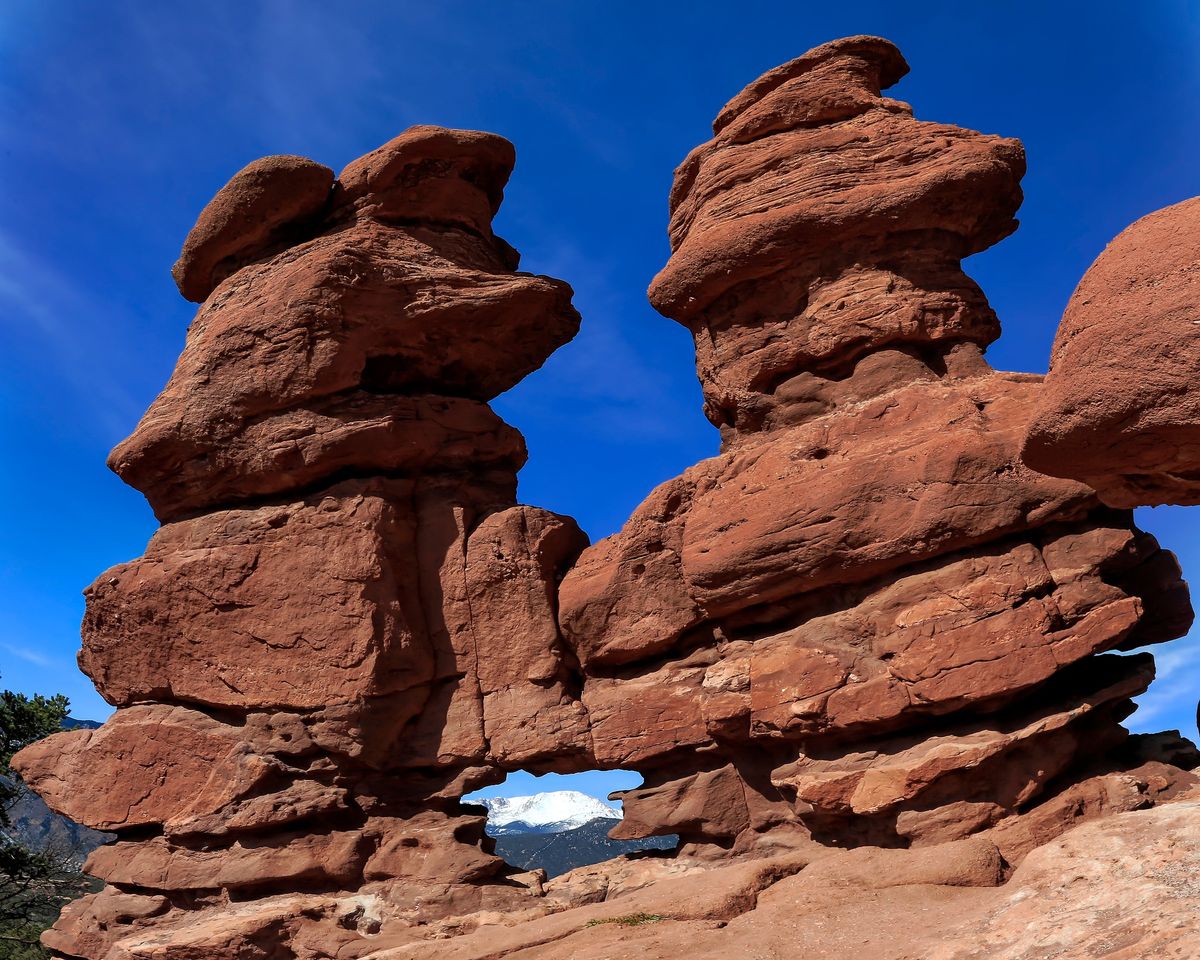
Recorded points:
(867, 623)
(867, 620)
(1120, 410)
(345, 622)
(822, 224)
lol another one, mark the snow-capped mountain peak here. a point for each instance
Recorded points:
(550, 812)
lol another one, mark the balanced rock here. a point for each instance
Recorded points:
(266, 205)
(1119, 410)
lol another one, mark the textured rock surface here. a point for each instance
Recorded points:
(346, 622)
(867, 623)
(867, 620)
(1123, 887)
(369, 345)
(821, 224)
(1120, 410)
(266, 205)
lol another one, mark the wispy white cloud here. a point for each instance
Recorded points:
(1171, 699)
(29, 655)
(36, 297)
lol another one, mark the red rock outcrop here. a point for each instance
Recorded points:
(823, 224)
(866, 623)
(1122, 887)
(1119, 410)
(345, 621)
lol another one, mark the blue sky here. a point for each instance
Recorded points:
(119, 120)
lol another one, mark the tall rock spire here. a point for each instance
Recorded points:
(345, 621)
(816, 240)
(866, 621)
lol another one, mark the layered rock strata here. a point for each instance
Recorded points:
(345, 621)
(1120, 410)
(822, 226)
(866, 621)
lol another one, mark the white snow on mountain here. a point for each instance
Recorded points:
(550, 812)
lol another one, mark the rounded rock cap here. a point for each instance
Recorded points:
(431, 174)
(249, 217)
(882, 55)
(1120, 410)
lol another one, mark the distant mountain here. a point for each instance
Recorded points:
(557, 853)
(558, 830)
(71, 723)
(552, 812)
(36, 827)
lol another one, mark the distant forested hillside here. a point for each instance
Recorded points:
(559, 852)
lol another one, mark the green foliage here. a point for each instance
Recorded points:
(34, 887)
(628, 920)
(34, 884)
(22, 721)
(18, 949)
(26, 719)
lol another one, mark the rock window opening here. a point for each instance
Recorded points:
(559, 822)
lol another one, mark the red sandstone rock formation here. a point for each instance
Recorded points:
(866, 620)
(823, 225)
(345, 622)
(866, 623)
(1120, 411)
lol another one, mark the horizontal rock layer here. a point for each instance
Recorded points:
(370, 347)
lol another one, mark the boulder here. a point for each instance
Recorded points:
(267, 205)
(1119, 411)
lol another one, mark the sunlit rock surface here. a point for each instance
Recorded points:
(866, 658)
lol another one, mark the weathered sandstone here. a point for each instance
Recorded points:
(1119, 410)
(866, 659)
(1123, 886)
(345, 622)
(822, 223)
(265, 207)
(866, 620)
(369, 345)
